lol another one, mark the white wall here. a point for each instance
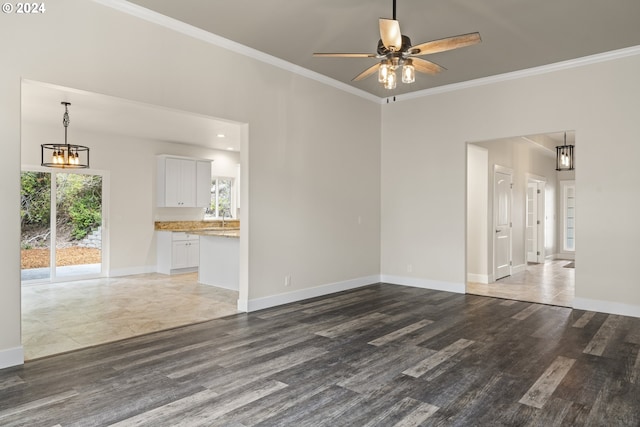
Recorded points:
(311, 170)
(132, 185)
(423, 173)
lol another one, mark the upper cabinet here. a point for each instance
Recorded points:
(183, 182)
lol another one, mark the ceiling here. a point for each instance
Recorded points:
(516, 34)
(98, 113)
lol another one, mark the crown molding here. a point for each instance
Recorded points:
(514, 75)
(197, 33)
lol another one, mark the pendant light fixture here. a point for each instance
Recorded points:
(64, 155)
(564, 156)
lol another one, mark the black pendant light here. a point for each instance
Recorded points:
(564, 156)
(64, 155)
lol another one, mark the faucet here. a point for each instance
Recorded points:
(223, 214)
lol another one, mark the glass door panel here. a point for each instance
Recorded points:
(78, 213)
(35, 226)
(65, 208)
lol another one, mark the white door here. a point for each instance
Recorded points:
(532, 222)
(502, 223)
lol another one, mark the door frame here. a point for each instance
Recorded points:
(506, 171)
(104, 267)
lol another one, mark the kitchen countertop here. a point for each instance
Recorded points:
(198, 226)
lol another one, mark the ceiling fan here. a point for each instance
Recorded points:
(395, 50)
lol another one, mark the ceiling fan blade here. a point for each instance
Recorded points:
(366, 73)
(346, 55)
(426, 67)
(390, 34)
(443, 45)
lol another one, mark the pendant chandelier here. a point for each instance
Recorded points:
(564, 156)
(64, 155)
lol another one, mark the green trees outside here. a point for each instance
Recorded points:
(78, 205)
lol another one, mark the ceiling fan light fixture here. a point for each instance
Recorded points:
(408, 72)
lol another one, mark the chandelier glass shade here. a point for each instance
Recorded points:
(64, 155)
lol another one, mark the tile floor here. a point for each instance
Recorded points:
(547, 283)
(60, 317)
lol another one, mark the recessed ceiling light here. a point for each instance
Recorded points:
(230, 148)
(220, 135)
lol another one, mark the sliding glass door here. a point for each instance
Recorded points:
(65, 208)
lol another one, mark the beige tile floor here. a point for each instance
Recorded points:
(546, 283)
(60, 317)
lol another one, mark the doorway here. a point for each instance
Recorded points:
(61, 217)
(520, 220)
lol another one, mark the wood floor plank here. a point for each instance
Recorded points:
(11, 381)
(544, 387)
(206, 414)
(170, 410)
(600, 340)
(400, 332)
(635, 371)
(359, 322)
(436, 359)
(408, 412)
(584, 319)
(527, 312)
(37, 404)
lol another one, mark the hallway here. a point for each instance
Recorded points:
(551, 282)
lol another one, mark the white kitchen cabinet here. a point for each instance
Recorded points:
(203, 185)
(183, 182)
(177, 252)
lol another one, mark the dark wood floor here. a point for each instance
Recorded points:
(380, 355)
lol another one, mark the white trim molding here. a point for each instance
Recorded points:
(609, 307)
(303, 294)
(459, 288)
(11, 357)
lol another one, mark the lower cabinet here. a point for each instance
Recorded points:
(177, 252)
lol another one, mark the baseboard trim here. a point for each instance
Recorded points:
(478, 278)
(459, 288)
(609, 307)
(11, 357)
(303, 294)
(132, 271)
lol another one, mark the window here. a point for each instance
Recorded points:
(222, 199)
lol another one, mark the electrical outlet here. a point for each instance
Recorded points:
(409, 268)
(287, 281)
(359, 220)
